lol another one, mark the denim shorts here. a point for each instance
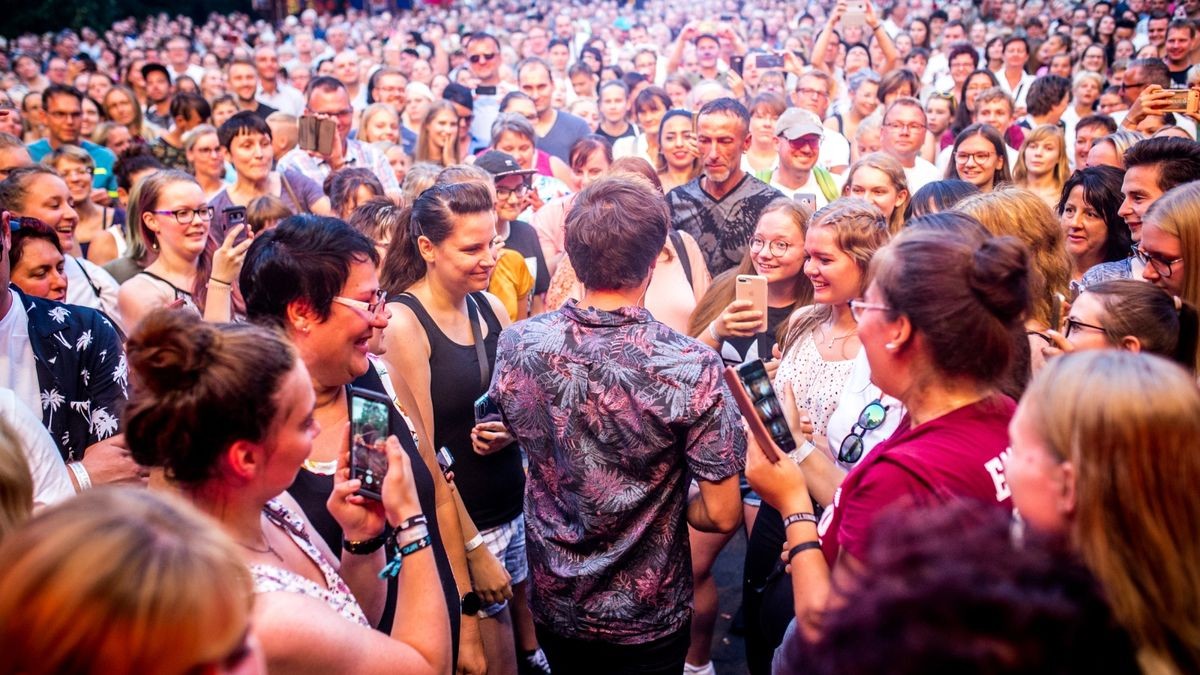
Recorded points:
(507, 543)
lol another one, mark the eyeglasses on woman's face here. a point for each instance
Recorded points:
(1160, 265)
(186, 216)
(373, 308)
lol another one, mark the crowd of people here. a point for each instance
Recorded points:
(524, 230)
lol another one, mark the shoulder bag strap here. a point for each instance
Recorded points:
(681, 251)
(291, 193)
(485, 367)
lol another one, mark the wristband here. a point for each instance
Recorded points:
(712, 332)
(800, 548)
(799, 518)
(410, 535)
(365, 547)
(418, 519)
(393, 567)
(475, 542)
(801, 453)
(81, 475)
(214, 280)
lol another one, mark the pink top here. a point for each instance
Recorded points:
(959, 455)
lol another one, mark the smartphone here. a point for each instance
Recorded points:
(368, 440)
(726, 17)
(445, 460)
(1183, 101)
(737, 63)
(856, 14)
(807, 199)
(486, 410)
(756, 399)
(234, 215)
(316, 134)
(768, 61)
(482, 90)
(753, 287)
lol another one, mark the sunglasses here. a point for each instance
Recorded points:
(871, 418)
(480, 58)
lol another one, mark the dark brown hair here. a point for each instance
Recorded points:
(433, 215)
(615, 231)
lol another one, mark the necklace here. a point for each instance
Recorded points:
(269, 549)
(835, 338)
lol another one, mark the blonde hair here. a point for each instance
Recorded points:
(1178, 214)
(1128, 424)
(16, 481)
(1019, 213)
(1062, 169)
(860, 230)
(895, 172)
(371, 111)
(722, 289)
(121, 581)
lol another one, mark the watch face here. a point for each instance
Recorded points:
(471, 603)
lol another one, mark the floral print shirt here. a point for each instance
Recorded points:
(617, 413)
(81, 371)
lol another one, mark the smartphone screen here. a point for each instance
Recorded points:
(768, 60)
(368, 441)
(737, 64)
(766, 405)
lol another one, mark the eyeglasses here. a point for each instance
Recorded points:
(186, 216)
(64, 115)
(979, 157)
(1073, 324)
(812, 93)
(912, 127)
(860, 307)
(778, 247)
(480, 58)
(503, 194)
(870, 419)
(1163, 267)
(348, 112)
(807, 141)
(373, 308)
(465, 120)
(214, 151)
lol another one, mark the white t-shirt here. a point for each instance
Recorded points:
(18, 371)
(857, 393)
(921, 174)
(835, 150)
(51, 484)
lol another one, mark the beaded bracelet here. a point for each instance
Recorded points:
(393, 567)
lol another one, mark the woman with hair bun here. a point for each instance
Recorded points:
(142, 583)
(937, 324)
(1104, 455)
(314, 611)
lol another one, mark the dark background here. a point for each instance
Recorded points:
(41, 16)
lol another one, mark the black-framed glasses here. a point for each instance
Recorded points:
(480, 58)
(1163, 267)
(1075, 324)
(778, 247)
(870, 419)
(186, 216)
(503, 194)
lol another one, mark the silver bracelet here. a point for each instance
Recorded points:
(81, 475)
(712, 332)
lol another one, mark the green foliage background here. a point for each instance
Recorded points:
(40, 16)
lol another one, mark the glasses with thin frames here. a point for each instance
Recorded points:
(1075, 324)
(778, 247)
(870, 419)
(859, 307)
(1163, 267)
(186, 216)
(979, 158)
(373, 308)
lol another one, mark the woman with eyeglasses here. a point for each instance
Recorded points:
(1134, 316)
(101, 229)
(1088, 211)
(1171, 239)
(1103, 455)
(169, 209)
(442, 335)
(979, 156)
(820, 343)
(937, 323)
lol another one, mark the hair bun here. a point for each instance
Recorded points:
(170, 348)
(999, 277)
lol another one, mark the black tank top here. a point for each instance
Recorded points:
(492, 487)
(312, 490)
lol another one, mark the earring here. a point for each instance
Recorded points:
(891, 346)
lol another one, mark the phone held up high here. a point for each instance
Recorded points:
(317, 134)
(756, 399)
(368, 440)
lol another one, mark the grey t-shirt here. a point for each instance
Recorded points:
(307, 190)
(566, 130)
(722, 227)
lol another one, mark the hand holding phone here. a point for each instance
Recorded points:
(368, 441)
(752, 288)
(756, 399)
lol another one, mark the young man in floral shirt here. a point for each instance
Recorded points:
(618, 413)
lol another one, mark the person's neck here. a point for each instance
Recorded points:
(172, 265)
(352, 89)
(86, 209)
(268, 86)
(781, 293)
(842, 321)
(546, 118)
(792, 180)
(1041, 182)
(1083, 110)
(940, 396)
(726, 186)
(162, 107)
(617, 128)
(327, 396)
(1085, 262)
(709, 73)
(238, 510)
(1013, 74)
(210, 183)
(612, 300)
(1039, 120)
(441, 300)
(247, 104)
(907, 161)
(245, 186)
(492, 81)
(762, 149)
(503, 228)
(54, 142)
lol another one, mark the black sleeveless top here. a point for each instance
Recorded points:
(492, 487)
(312, 490)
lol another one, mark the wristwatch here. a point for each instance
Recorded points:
(471, 604)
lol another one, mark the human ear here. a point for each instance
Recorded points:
(1131, 343)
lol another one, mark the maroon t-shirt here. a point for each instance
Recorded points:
(959, 455)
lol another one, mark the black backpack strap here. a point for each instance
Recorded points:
(681, 251)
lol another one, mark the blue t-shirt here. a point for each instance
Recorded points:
(104, 159)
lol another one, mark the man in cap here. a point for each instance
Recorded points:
(512, 187)
(158, 94)
(799, 133)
